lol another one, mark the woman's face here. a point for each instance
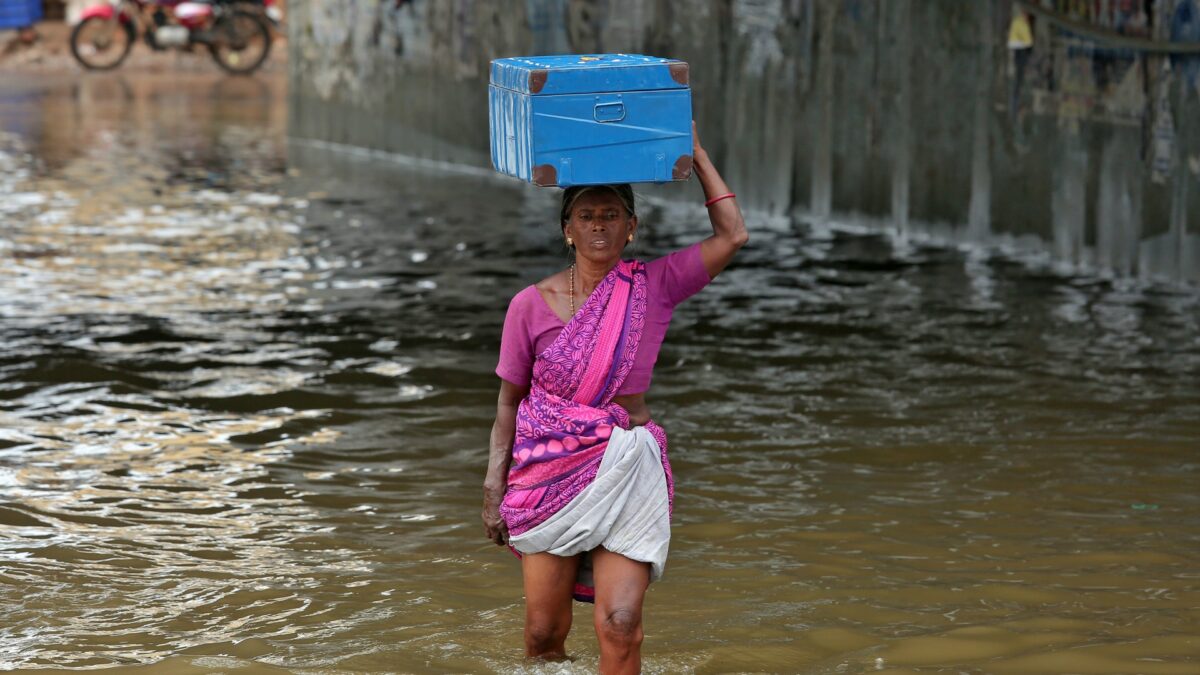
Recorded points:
(600, 226)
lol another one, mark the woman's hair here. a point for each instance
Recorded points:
(573, 193)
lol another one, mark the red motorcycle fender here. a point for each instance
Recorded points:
(103, 11)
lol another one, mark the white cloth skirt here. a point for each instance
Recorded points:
(625, 509)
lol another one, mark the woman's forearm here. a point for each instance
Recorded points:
(726, 217)
(500, 449)
(710, 178)
(496, 482)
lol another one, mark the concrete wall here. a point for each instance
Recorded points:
(899, 113)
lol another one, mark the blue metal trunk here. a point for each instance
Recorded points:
(591, 119)
(19, 13)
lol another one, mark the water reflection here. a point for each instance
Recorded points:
(244, 403)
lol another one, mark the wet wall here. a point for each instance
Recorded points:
(914, 117)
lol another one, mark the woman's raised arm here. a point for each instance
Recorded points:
(729, 228)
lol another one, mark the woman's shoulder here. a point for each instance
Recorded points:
(522, 300)
(684, 260)
(531, 302)
(679, 274)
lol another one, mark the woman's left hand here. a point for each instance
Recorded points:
(697, 149)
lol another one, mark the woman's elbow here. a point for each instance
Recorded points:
(740, 237)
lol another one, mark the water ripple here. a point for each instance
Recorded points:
(244, 405)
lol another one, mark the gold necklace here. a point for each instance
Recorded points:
(572, 290)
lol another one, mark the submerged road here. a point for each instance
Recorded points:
(245, 393)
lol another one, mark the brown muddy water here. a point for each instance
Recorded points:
(246, 389)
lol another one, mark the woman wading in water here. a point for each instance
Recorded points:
(578, 482)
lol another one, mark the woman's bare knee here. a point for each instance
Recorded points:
(546, 627)
(546, 638)
(621, 627)
(548, 583)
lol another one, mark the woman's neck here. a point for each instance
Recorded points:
(589, 274)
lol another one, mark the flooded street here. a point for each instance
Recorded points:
(246, 391)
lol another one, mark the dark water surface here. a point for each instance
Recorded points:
(246, 389)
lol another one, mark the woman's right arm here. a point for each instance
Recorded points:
(495, 484)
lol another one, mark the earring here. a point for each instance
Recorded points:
(630, 236)
(569, 242)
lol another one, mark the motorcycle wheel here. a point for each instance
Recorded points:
(242, 41)
(95, 37)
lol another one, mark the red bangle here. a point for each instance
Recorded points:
(714, 200)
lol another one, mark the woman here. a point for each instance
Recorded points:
(578, 482)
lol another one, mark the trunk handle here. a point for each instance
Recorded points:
(609, 111)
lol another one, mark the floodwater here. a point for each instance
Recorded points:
(246, 390)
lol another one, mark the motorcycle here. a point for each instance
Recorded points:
(237, 34)
(270, 8)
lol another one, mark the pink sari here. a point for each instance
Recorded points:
(564, 424)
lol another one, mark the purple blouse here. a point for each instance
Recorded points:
(530, 325)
